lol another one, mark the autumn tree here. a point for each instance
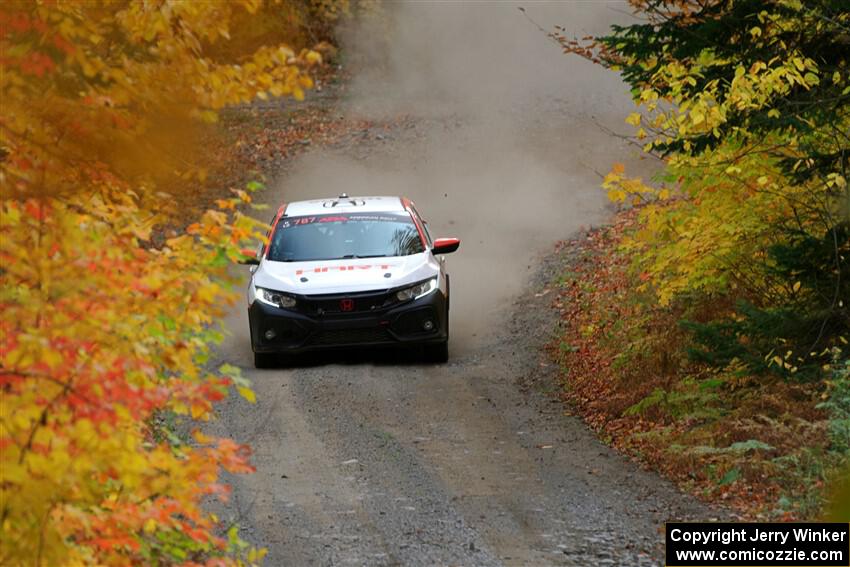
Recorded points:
(103, 329)
(746, 103)
(742, 242)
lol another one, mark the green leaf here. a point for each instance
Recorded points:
(749, 445)
(731, 476)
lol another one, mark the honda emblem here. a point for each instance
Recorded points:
(346, 305)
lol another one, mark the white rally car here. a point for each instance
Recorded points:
(349, 271)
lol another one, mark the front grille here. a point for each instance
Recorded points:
(351, 336)
(319, 305)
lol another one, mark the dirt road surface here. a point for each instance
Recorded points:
(372, 458)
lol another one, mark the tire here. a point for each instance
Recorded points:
(437, 353)
(265, 360)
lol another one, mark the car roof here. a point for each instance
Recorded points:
(344, 203)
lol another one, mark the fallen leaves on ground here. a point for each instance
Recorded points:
(755, 443)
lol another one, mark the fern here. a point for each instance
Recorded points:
(838, 406)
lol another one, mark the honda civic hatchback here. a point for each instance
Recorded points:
(348, 272)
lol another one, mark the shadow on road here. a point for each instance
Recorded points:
(379, 356)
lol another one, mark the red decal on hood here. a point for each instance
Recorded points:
(319, 269)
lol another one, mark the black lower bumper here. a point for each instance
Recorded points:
(276, 330)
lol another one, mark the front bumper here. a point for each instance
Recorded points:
(401, 324)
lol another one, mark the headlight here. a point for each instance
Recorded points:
(275, 298)
(418, 290)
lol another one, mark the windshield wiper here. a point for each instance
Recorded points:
(350, 256)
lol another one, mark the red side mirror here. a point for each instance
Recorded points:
(445, 245)
(250, 257)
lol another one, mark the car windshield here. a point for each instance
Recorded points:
(338, 236)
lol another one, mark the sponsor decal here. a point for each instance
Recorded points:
(349, 268)
(359, 217)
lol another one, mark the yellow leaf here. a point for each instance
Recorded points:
(616, 195)
(247, 393)
(198, 412)
(797, 286)
(201, 437)
(88, 68)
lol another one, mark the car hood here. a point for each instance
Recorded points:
(345, 276)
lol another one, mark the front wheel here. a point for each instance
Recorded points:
(437, 353)
(265, 360)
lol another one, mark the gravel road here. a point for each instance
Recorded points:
(372, 458)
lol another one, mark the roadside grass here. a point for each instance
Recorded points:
(765, 446)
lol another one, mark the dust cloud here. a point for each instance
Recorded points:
(507, 153)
